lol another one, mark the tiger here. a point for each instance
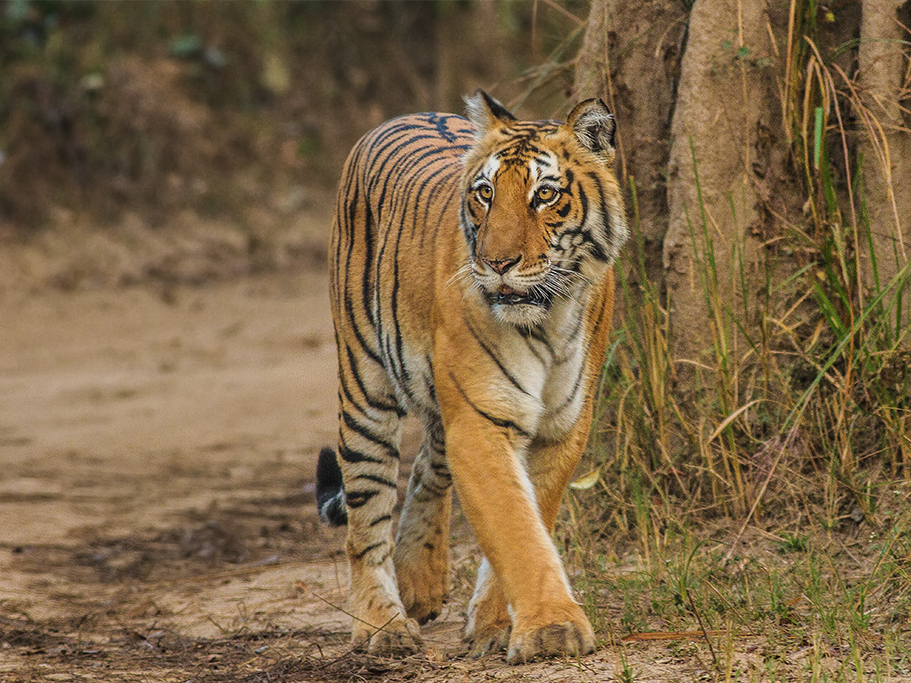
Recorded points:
(471, 280)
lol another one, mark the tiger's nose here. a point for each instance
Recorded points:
(500, 266)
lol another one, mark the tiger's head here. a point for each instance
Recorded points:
(541, 208)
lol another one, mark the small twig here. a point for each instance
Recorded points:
(671, 635)
(785, 446)
(731, 607)
(346, 612)
(357, 646)
(566, 13)
(302, 586)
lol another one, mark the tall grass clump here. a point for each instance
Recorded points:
(792, 431)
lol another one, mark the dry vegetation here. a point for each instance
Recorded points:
(217, 108)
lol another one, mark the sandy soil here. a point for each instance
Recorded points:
(156, 495)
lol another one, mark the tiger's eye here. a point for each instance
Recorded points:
(485, 192)
(546, 194)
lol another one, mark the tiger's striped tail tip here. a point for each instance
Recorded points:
(330, 490)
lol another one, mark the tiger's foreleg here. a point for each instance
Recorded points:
(499, 499)
(369, 430)
(422, 545)
(550, 465)
(489, 623)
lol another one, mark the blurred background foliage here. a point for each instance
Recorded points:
(208, 106)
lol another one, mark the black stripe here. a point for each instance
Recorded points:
(534, 351)
(377, 479)
(369, 266)
(381, 519)
(498, 421)
(572, 394)
(443, 130)
(538, 335)
(490, 352)
(404, 375)
(372, 546)
(374, 403)
(346, 392)
(600, 251)
(437, 439)
(351, 456)
(436, 182)
(354, 323)
(436, 491)
(367, 433)
(431, 386)
(454, 195)
(580, 318)
(356, 499)
(441, 469)
(583, 201)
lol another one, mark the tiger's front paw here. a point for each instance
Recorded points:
(489, 623)
(489, 640)
(399, 636)
(572, 636)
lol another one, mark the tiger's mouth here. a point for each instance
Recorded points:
(507, 296)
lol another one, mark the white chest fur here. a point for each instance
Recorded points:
(543, 372)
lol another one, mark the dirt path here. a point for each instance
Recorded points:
(156, 496)
(149, 440)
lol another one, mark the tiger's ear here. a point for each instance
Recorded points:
(484, 112)
(594, 127)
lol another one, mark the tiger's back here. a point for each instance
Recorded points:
(398, 193)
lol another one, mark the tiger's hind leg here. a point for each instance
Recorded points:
(369, 430)
(422, 545)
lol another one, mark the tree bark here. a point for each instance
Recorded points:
(886, 146)
(726, 97)
(630, 58)
(705, 94)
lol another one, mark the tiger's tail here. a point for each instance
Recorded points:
(330, 490)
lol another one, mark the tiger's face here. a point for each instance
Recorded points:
(537, 214)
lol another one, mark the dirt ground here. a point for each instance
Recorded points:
(158, 439)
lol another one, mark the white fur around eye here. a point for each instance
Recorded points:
(491, 166)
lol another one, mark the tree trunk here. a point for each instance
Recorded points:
(630, 57)
(887, 148)
(726, 99)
